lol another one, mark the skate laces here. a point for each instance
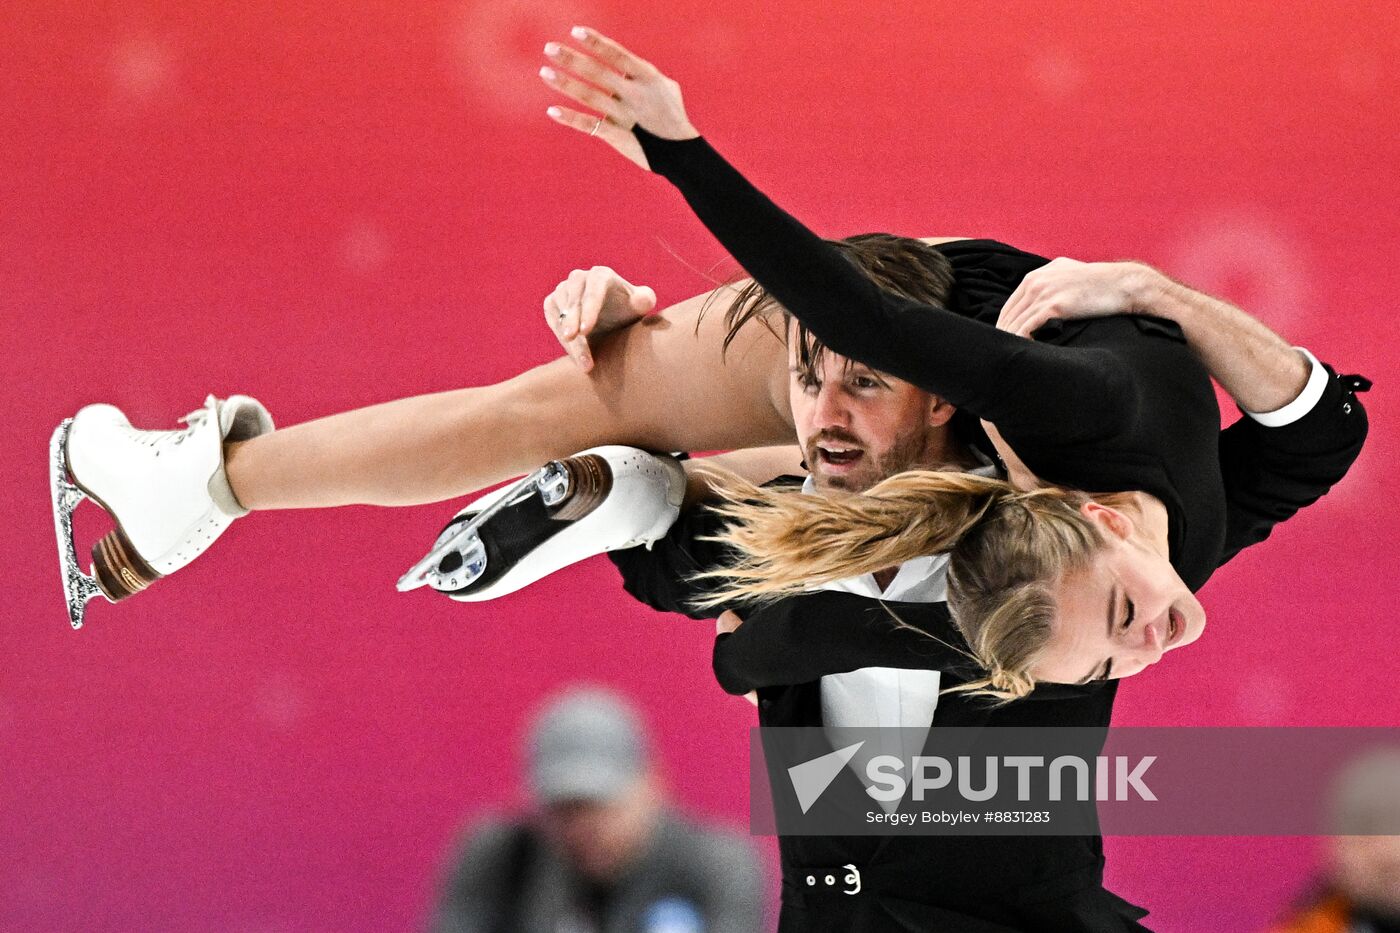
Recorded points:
(200, 415)
(193, 421)
(196, 419)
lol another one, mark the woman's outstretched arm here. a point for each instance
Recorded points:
(1024, 387)
(662, 384)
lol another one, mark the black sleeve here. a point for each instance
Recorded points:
(1022, 386)
(796, 639)
(801, 638)
(1271, 473)
(661, 576)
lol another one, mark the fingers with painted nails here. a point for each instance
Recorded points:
(618, 91)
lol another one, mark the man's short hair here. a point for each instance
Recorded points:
(902, 265)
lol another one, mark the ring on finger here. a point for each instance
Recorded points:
(596, 127)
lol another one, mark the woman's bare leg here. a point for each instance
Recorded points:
(659, 384)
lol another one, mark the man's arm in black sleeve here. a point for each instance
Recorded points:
(661, 576)
(484, 883)
(1272, 472)
(798, 639)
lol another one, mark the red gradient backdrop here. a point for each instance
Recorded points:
(333, 204)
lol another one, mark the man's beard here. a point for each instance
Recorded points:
(908, 452)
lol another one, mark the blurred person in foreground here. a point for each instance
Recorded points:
(604, 852)
(1360, 890)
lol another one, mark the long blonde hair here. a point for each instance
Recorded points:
(1006, 548)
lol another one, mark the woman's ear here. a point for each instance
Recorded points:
(1108, 520)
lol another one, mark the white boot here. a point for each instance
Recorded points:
(166, 490)
(602, 499)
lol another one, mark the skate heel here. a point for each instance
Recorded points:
(575, 486)
(119, 570)
(597, 500)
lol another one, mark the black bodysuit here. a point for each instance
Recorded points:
(1105, 405)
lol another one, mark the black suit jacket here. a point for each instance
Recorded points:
(782, 651)
(962, 883)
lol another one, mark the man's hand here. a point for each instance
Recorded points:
(621, 88)
(1067, 289)
(591, 303)
(1256, 366)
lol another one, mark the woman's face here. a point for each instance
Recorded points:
(1122, 612)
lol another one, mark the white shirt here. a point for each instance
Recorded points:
(887, 696)
(1305, 402)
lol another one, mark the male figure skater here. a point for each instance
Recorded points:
(829, 660)
(855, 667)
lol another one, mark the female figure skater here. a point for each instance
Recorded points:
(676, 380)
(1046, 582)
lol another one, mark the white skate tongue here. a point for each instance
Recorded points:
(238, 418)
(241, 417)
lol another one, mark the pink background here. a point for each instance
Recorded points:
(331, 204)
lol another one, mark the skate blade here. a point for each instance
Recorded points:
(515, 544)
(463, 564)
(418, 574)
(78, 588)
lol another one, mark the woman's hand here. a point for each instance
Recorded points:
(621, 89)
(591, 303)
(1067, 289)
(727, 623)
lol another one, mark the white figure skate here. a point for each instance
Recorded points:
(602, 499)
(166, 491)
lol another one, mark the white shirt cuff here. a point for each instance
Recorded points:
(1300, 406)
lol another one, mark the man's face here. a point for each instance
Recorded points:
(858, 426)
(600, 838)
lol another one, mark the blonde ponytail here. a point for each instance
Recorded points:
(1007, 550)
(787, 542)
